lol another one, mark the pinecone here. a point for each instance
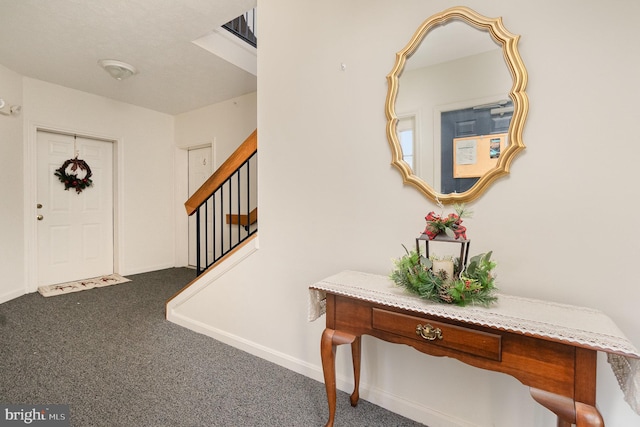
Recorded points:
(443, 293)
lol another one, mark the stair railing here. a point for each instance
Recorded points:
(225, 205)
(244, 26)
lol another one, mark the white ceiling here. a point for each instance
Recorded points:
(61, 41)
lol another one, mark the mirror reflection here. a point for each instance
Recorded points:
(448, 90)
(451, 105)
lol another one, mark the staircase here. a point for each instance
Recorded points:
(225, 206)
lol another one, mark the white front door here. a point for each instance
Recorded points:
(200, 169)
(75, 230)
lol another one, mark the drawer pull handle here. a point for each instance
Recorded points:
(428, 332)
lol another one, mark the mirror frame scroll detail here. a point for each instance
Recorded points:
(509, 43)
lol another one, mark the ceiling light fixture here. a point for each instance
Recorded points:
(117, 69)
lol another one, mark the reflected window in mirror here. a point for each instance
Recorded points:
(406, 134)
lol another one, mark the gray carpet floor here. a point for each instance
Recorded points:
(112, 357)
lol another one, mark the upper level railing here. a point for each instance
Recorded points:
(225, 205)
(244, 26)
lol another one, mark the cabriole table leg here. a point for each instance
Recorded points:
(330, 339)
(356, 347)
(569, 412)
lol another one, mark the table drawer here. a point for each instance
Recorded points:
(471, 341)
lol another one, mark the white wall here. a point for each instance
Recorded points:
(561, 225)
(145, 236)
(229, 123)
(11, 200)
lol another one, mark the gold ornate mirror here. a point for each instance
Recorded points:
(455, 119)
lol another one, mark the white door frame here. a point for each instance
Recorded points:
(31, 195)
(181, 164)
(212, 166)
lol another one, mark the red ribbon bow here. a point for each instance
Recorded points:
(436, 224)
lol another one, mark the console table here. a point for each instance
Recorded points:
(549, 347)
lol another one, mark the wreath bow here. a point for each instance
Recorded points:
(451, 224)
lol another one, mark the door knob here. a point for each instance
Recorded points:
(39, 206)
(40, 217)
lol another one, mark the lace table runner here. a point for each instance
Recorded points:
(580, 326)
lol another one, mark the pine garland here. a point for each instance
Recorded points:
(474, 285)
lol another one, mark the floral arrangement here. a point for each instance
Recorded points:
(75, 173)
(451, 224)
(461, 285)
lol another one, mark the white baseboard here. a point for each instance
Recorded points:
(406, 408)
(410, 409)
(12, 295)
(140, 270)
